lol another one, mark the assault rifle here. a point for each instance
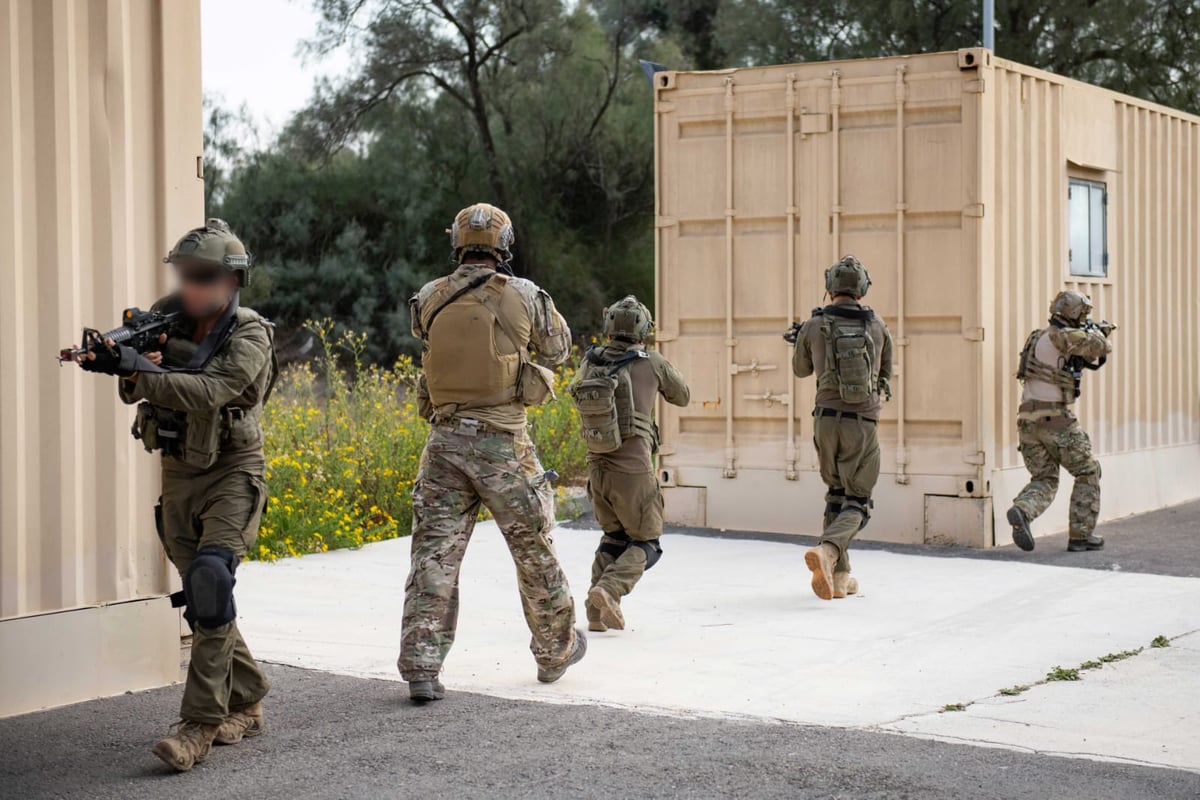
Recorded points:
(1077, 364)
(140, 331)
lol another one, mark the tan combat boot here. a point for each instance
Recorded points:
(239, 724)
(187, 745)
(608, 606)
(821, 560)
(844, 584)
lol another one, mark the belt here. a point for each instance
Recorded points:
(1042, 405)
(832, 412)
(470, 427)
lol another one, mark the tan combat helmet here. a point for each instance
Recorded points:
(628, 320)
(1070, 308)
(213, 244)
(847, 276)
(482, 228)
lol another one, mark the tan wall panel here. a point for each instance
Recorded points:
(100, 129)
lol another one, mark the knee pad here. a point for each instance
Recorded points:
(653, 551)
(861, 506)
(613, 548)
(208, 588)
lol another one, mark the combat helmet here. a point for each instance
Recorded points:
(482, 228)
(847, 276)
(1070, 307)
(215, 244)
(628, 320)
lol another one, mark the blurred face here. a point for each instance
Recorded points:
(204, 289)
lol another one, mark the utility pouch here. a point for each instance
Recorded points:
(202, 439)
(535, 384)
(424, 404)
(159, 429)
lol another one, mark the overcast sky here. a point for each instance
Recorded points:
(250, 55)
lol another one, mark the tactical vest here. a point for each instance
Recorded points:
(197, 437)
(1033, 369)
(603, 393)
(849, 354)
(464, 367)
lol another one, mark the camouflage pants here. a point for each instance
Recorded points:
(1046, 444)
(220, 507)
(461, 469)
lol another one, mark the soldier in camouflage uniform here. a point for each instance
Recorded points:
(850, 351)
(622, 440)
(482, 329)
(1049, 432)
(200, 403)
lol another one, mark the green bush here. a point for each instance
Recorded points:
(343, 445)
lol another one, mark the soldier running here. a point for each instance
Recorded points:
(850, 351)
(200, 402)
(1051, 365)
(615, 391)
(482, 329)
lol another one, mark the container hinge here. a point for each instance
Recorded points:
(665, 222)
(973, 334)
(973, 210)
(973, 87)
(975, 458)
(663, 107)
(666, 450)
(665, 336)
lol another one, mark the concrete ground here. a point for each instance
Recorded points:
(732, 680)
(332, 736)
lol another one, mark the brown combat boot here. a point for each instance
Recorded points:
(608, 606)
(187, 745)
(844, 584)
(821, 560)
(239, 724)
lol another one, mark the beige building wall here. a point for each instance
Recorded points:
(100, 136)
(947, 175)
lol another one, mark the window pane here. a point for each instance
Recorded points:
(1098, 209)
(1080, 237)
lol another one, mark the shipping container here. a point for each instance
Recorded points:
(974, 189)
(100, 146)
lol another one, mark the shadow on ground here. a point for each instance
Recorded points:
(1164, 542)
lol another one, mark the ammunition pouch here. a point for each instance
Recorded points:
(196, 438)
(160, 429)
(535, 383)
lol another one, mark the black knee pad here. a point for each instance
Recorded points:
(861, 506)
(653, 551)
(208, 587)
(613, 548)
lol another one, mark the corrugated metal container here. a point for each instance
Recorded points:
(949, 176)
(100, 140)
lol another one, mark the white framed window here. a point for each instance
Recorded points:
(1087, 225)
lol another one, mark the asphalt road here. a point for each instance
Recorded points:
(339, 737)
(1164, 542)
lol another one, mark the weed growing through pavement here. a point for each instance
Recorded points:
(1062, 674)
(1160, 641)
(1121, 656)
(1013, 691)
(955, 707)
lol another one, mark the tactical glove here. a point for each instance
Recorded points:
(119, 360)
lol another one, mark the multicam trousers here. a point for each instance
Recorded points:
(220, 507)
(463, 466)
(1046, 444)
